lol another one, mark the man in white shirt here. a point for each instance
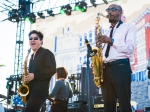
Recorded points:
(119, 44)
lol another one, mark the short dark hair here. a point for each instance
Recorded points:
(36, 32)
(120, 8)
(61, 72)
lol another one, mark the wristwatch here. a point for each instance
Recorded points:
(112, 41)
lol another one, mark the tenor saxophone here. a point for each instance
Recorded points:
(23, 90)
(97, 57)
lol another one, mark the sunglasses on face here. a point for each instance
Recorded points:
(34, 38)
(112, 9)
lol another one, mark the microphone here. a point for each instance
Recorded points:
(148, 68)
(92, 52)
(88, 45)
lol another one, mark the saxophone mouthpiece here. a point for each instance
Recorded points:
(99, 13)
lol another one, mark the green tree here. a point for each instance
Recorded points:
(1, 65)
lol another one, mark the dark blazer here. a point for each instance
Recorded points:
(44, 67)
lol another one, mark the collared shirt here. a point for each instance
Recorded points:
(124, 42)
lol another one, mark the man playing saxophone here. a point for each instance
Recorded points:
(42, 67)
(118, 47)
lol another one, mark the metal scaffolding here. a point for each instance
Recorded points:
(19, 47)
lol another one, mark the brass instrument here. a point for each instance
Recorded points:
(23, 90)
(97, 57)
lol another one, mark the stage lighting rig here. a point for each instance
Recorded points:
(14, 15)
(82, 6)
(9, 86)
(93, 3)
(31, 17)
(41, 15)
(66, 9)
(62, 10)
(76, 6)
(10, 91)
(105, 1)
(50, 12)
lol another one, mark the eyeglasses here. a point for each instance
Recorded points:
(112, 9)
(34, 38)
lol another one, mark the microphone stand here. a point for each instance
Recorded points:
(88, 81)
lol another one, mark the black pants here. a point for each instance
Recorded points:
(59, 106)
(117, 85)
(35, 101)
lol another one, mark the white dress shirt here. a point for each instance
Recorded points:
(124, 43)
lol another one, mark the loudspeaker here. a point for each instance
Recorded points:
(97, 99)
(147, 109)
(73, 110)
(84, 84)
(77, 106)
(102, 110)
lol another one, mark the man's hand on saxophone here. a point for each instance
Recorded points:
(103, 39)
(29, 77)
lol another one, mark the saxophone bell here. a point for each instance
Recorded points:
(23, 90)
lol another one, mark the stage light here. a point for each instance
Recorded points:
(93, 3)
(105, 1)
(13, 15)
(77, 6)
(68, 9)
(62, 10)
(41, 15)
(50, 12)
(83, 6)
(9, 87)
(31, 17)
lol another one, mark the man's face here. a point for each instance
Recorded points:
(35, 42)
(114, 13)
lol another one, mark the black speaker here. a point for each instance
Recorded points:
(84, 84)
(73, 110)
(97, 99)
(77, 106)
(147, 109)
(102, 110)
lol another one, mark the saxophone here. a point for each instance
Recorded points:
(97, 57)
(23, 90)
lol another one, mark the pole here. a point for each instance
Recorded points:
(88, 80)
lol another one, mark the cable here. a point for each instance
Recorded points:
(55, 3)
(49, 5)
(42, 5)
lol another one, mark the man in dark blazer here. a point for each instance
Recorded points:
(42, 67)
